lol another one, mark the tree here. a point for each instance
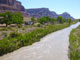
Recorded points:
(11, 18)
(42, 20)
(48, 19)
(53, 20)
(6, 18)
(33, 19)
(69, 20)
(1, 18)
(79, 20)
(64, 20)
(18, 18)
(45, 19)
(60, 19)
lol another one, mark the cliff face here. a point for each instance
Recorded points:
(8, 2)
(12, 5)
(40, 12)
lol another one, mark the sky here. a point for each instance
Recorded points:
(59, 6)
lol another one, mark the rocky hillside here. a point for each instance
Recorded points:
(12, 5)
(66, 15)
(40, 12)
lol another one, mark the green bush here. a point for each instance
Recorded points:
(4, 34)
(19, 26)
(10, 28)
(38, 25)
(13, 34)
(4, 29)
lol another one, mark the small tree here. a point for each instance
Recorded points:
(60, 19)
(18, 18)
(11, 18)
(6, 18)
(48, 19)
(42, 20)
(79, 20)
(53, 20)
(33, 19)
(64, 20)
(45, 19)
(1, 18)
(69, 20)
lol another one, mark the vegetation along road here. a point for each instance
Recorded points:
(74, 45)
(52, 47)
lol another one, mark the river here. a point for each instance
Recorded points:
(54, 46)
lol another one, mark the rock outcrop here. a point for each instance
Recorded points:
(40, 12)
(13, 6)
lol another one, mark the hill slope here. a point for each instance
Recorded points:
(40, 12)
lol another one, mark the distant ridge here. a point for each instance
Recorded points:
(40, 12)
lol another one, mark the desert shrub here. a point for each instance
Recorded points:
(19, 26)
(23, 28)
(4, 34)
(10, 28)
(13, 34)
(3, 29)
(38, 25)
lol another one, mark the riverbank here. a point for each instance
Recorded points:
(74, 40)
(17, 40)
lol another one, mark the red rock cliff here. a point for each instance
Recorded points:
(12, 5)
